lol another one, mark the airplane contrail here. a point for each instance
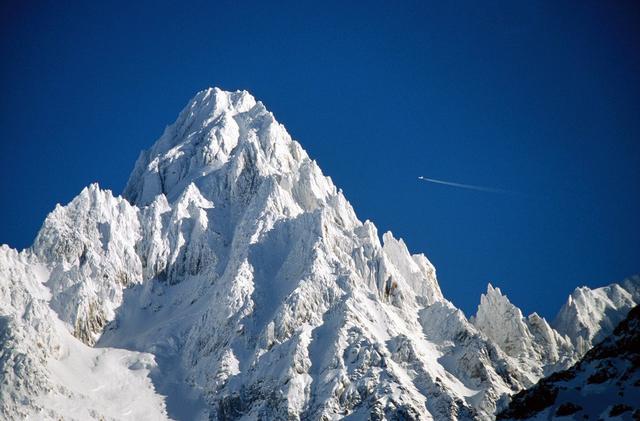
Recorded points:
(464, 186)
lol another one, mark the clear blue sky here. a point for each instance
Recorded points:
(541, 98)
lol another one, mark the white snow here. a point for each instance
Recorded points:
(233, 280)
(591, 314)
(48, 373)
(530, 341)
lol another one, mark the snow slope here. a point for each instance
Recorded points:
(233, 280)
(49, 374)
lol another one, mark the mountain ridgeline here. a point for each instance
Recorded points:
(233, 280)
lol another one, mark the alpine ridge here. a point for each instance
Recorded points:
(604, 384)
(233, 280)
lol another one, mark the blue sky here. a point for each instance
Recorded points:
(538, 98)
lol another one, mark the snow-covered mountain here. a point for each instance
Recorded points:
(233, 280)
(604, 384)
(589, 315)
(541, 348)
(537, 347)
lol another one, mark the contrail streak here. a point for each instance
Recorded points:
(464, 186)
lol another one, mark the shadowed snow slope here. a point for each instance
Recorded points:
(233, 280)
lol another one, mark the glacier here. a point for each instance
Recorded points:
(233, 280)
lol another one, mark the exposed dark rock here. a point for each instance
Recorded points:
(527, 403)
(619, 409)
(567, 408)
(602, 375)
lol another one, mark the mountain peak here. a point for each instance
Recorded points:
(529, 339)
(248, 276)
(590, 314)
(214, 127)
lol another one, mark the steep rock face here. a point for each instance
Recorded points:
(531, 341)
(589, 315)
(604, 384)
